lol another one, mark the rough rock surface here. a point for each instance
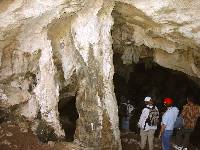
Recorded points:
(170, 28)
(48, 45)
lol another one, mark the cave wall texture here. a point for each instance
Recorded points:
(46, 45)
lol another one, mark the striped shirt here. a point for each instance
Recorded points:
(190, 114)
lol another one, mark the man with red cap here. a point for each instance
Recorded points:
(167, 124)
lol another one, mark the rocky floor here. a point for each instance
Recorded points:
(131, 140)
(16, 134)
(17, 137)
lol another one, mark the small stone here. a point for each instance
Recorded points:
(9, 134)
(133, 141)
(24, 130)
(23, 127)
(6, 142)
(11, 125)
(8, 122)
(125, 140)
(51, 143)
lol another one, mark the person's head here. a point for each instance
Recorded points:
(123, 99)
(148, 100)
(190, 100)
(168, 102)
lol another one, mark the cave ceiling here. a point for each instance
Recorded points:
(168, 29)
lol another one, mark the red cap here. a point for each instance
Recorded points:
(168, 101)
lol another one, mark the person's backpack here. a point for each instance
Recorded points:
(153, 117)
(179, 122)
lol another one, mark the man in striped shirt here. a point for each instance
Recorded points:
(190, 114)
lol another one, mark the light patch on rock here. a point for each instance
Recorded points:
(3, 96)
(9, 134)
(6, 142)
(31, 109)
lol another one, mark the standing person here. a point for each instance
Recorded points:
(167, 124)
(130, 109)
(190, 114)
(126, 109)
(148, 123)
(178, 126)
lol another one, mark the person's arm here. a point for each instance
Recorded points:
(142, 117)
(162, 130)
(199, 111)
(165, 120)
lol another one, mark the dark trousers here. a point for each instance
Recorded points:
(183, 137)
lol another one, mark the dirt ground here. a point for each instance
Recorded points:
(130, 141)
(17, 137)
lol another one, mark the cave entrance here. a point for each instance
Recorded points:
(137, 74)
(68, 114)
(146, 78)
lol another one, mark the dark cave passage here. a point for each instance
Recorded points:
(157, 82)
(147, 78)
(68, 115)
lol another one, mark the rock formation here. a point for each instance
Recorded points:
(49, 46)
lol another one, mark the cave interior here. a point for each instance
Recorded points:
(134, 78)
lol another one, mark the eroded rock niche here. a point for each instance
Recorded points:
(68, 114)
(55, 50)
